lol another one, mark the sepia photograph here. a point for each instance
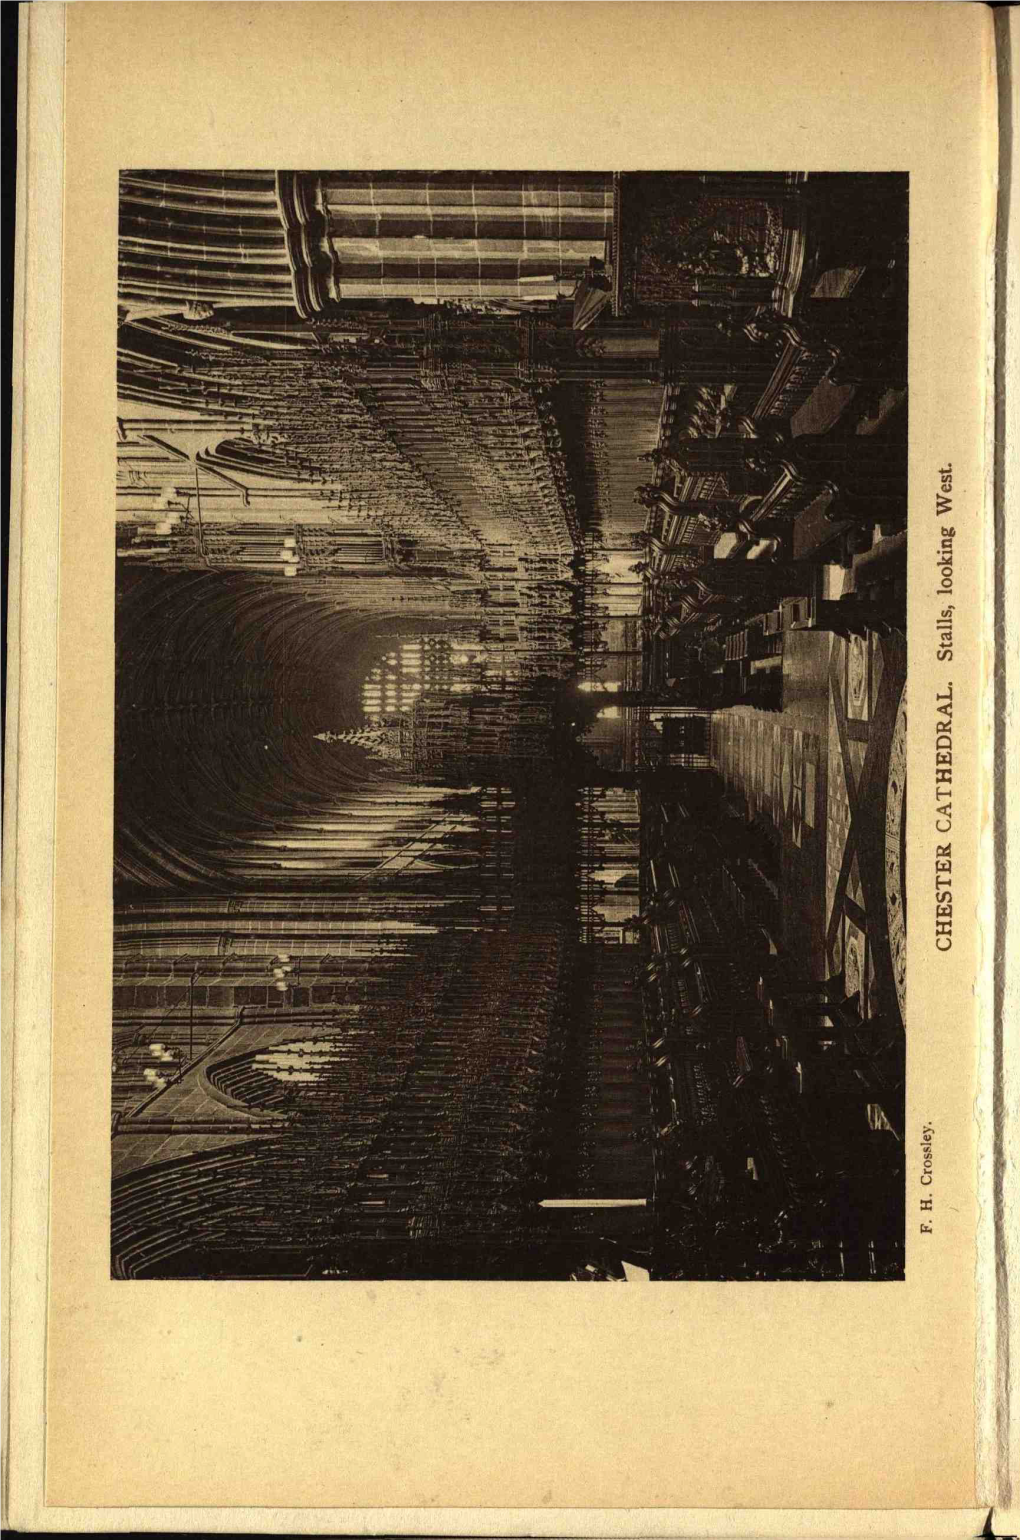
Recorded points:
(510, 711)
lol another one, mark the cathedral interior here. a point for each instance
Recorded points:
(510, 726)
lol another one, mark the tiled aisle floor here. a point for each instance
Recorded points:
(827, 771)
(777, 762)
(864, 904)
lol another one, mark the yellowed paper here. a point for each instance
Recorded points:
(428, 1395)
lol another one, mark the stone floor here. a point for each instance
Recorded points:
(864, 892)
(827, 771)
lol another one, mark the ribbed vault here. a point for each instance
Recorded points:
(223, 681)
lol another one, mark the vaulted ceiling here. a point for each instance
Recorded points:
(223, 682)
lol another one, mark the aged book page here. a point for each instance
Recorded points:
(650, 343)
